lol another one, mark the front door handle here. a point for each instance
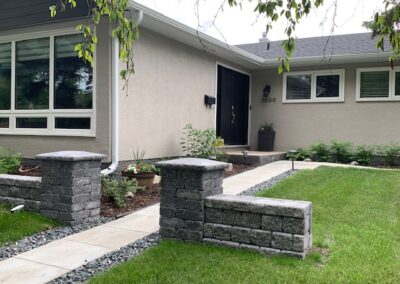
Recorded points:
(233, 115)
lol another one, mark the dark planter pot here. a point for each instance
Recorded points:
(266, 140)
(144, 179)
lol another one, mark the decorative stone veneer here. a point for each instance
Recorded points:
(185, 183)
(271, 226)
(21, 190)
(193, 209)
(71, 186)
(69, 189)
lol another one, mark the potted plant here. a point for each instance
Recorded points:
(266, 137)
(143, 172)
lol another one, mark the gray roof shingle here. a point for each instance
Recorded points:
(349, 44)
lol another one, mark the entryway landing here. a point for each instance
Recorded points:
(238, 156)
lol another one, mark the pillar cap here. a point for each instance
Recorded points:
(71, 156)
(194, 164)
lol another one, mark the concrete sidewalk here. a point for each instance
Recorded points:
(50, 261)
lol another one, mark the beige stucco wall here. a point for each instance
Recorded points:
(30, 146)
(302, 124)
(165, 93)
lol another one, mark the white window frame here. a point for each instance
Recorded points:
(50, 113)
(314, 75)
(392, 84)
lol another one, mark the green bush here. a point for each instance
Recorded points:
(116, 190)
(202, 143)
(340, 152)
(363, 154)
(389, 153)
(300, 155)
(320, 152)
(9, 161)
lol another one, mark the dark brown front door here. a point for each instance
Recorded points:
(232, 106)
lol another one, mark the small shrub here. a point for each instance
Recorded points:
(340, 151)
(320, 152)
(363, 154)
(116, 190)
(202, 143)
(389, 153)
(9, 161)
(300, 155)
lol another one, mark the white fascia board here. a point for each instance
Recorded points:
(175, 30)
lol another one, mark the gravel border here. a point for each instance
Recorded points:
(45, 237)
(107, 261)
(268, 183)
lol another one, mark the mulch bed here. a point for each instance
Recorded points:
(26, 170)
(140, 200)
(239, 168)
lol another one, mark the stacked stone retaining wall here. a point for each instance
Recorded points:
(69, 189)
(23, 190)
(193, 209)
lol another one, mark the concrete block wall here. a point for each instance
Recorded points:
(271, 226)
(185, 184)
(25, 190)
(193, 209)
(69, 189)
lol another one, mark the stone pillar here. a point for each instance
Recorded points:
(71, 186)
(185, 183)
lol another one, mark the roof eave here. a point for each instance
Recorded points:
(168, 27)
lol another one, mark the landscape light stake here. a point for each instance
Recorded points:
(292, 156)
(245, 154)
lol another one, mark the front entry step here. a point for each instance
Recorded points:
(254, 157)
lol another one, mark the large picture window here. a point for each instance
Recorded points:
(313, 86)
(45, 89)
(378, 84)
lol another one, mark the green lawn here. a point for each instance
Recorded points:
(16, 226)
(356, 226)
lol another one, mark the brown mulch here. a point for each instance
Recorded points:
(26, 170)
(140, 200)
(239, 168)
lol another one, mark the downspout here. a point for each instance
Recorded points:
(115, 100)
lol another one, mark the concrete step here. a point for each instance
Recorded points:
(254, 157)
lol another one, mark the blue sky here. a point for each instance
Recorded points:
(235, 25)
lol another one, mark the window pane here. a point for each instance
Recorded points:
(397, 84)
(73, 122)
(73, 77)
(31, 122)
(374, 84)
(4, 122)
(32, 74)
(328, 86)
(5, 76)
(298, 87)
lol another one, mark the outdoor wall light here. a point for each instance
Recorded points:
(209, 101)
(266, 91)
(292, 155)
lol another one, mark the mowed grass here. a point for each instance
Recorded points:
(356, 232)
(14, 227)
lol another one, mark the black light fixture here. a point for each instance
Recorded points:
(245, 155)
(209, 101)
(292, 156)
(266, 91)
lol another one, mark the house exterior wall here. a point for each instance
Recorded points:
(302, 124)
(165, 93)
(30, 145)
